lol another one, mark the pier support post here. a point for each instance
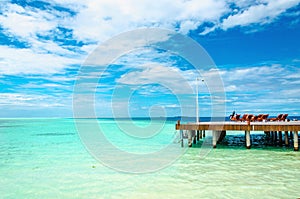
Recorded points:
(214, 140)
(268, 137)
(286, 138)
(296, 141)
(189, 138)
(280, 138)
(248, 140)
(203, 134)
(181, 138)
(275, 138)
(198, 136)
(194, 136)
(221, 135)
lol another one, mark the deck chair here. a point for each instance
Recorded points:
(283, 117)
(276, 118)
(243, 118)
(264, 117)
(254, 118)
(235, 117)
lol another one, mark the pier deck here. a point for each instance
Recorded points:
(241, 126)
(219, 129)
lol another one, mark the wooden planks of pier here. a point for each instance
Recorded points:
(219, 130)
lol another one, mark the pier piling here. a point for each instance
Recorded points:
(272, 138)
(248, 140)
(194, 137)
(268, 136)
(181, 138)
(280, 138)
(296, 141)
(286, 138)
(189, 138)
(222, 135)
(214, 135)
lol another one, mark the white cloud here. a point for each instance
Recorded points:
(24, 22)
(43, 56)
(97, 21)
(48, 86)
(169, 77)
(61, 78)
(264, 71)
(231, 88)
(21, 100)
(264, 12)
(267, 88)
(25, 61)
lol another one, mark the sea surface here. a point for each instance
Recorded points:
(46, 158)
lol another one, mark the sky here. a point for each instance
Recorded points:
(254, 45)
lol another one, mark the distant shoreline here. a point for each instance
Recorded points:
(181, 118)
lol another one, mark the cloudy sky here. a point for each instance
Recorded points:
(254, 44)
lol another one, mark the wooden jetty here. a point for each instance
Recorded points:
(195, 130)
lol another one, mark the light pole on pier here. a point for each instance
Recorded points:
(197, 100)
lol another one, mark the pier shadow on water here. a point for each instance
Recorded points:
(258, 142)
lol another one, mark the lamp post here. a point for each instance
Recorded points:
(197, 100)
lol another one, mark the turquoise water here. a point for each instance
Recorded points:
(45, 158)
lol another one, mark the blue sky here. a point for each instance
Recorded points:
(254, 44)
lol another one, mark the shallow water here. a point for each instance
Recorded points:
(45, 158)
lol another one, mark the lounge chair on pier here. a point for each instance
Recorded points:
(278, 118)
(283, 117)
(263, 117)
(235, 117)
(244, 118)
(249, 117)
(254, 118)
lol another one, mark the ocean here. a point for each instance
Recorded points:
(48, 158)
